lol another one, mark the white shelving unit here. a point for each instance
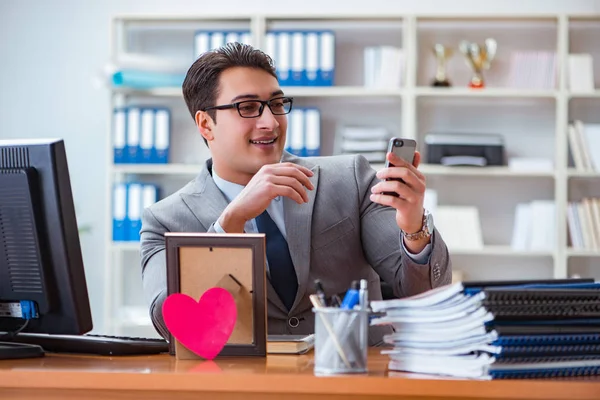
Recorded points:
(533, 123)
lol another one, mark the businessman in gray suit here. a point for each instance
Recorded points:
(324, 218)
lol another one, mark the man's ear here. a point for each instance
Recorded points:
(205, 124)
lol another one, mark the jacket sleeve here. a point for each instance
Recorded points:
(382, 243)
(154, 267)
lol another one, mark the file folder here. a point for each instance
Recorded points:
(217, 39)
(119, 136)
(246, 38)
(162, 137)
(147, 135)
(283, 58)
(271, 48)
(297, 59)
(119, 207)
(133, 135)
(297, 132)
(312, 131)
(311, 65)
(327, 59)
(232, 37)
(201, 43)
(134, 211)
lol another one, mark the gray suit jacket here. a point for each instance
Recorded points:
(338, 236)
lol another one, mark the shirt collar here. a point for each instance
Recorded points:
(229, 189)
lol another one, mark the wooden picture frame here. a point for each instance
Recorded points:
(235, 262)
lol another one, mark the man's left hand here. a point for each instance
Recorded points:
(410, 191)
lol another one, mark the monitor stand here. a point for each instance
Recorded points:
(9, 350)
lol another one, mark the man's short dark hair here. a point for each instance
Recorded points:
(201, 84)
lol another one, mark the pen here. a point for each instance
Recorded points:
(320, 292)
(336, 301)
(363, 296)
(351, 298)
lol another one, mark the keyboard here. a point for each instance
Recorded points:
(103, 345)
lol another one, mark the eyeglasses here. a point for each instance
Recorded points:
(255, 108)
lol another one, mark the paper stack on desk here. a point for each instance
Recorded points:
(439, 332)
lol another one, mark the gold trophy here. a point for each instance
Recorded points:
(442, 55)
(479, 58)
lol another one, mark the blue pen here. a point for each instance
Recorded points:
(351, 298)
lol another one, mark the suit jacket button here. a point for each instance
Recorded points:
(293, 322)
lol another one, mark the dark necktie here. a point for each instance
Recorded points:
(281, 268)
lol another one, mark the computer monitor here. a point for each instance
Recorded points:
(42, 279)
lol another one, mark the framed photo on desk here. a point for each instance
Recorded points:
(197, 262)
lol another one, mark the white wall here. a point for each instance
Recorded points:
(50, 51)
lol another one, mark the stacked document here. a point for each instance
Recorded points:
(369, 141)
(441, 332)
(545, 329)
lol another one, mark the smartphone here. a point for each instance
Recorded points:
(404, 149)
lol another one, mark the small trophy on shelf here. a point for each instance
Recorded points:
(479, 58)
(442, 55)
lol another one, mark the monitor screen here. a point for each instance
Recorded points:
(42, 279)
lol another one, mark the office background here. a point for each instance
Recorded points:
(53, 52)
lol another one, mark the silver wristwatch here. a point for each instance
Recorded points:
(426, 230)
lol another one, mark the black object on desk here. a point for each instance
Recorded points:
(103, 345)
(42, 278)
(19, 350)
(464, 149)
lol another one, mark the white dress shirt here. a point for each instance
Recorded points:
(231, 190)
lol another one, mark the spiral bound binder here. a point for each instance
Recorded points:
(549, 350)
(541, 313)
(527, 283)
(509, 296)
(551, 373)
(547, 340)
(507, 329)
(510, 304)
(545, 367)
(535, 361)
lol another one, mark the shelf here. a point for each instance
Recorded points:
(341, 91)
(505, 251)
(157, 169)
(571, 252)
(427, 169)
(424, 91)
(432, 169)
(587, 95)
(156, 92)
(441, 170)
(573, 173)
(294, 91)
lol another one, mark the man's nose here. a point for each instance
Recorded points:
(267, 120)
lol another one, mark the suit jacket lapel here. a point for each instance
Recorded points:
(298, 220)
(205, 200)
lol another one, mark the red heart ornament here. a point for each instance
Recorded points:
(203, 326)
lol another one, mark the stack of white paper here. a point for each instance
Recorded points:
(369, 141)
(440, 332)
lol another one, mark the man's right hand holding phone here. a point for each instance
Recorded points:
(408, 182)
(272, 180)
